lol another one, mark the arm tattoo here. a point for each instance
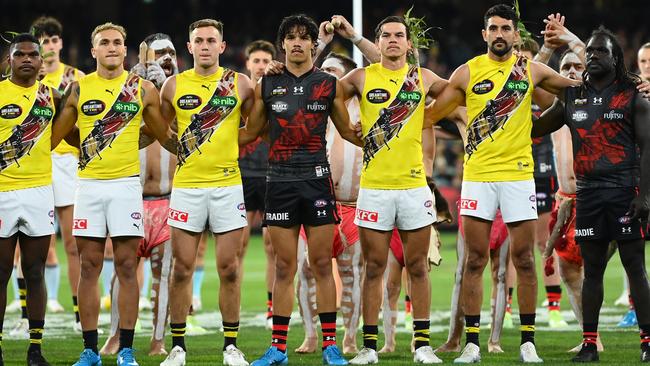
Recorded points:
(171, 144)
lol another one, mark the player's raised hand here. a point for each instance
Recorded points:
(274, 68)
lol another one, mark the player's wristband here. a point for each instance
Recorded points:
(356, 39)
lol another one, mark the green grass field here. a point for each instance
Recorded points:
(62, 346)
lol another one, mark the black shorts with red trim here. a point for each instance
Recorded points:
(601, 214)
(308, 202)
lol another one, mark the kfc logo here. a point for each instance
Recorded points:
(177, 215)
(468, 204)
(364, 215)
(80, 224)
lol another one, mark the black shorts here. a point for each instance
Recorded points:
(601, 215)
(254, 193)
(308, 202)
(545, 189)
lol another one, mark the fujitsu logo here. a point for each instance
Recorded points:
(614, 114)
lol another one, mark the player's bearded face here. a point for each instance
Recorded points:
(25, 59)
(205, 45)
(109, 49)
(165, 56)
(500, 35)
(298, 45)
(393, 41)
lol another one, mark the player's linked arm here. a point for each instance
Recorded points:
(256, 118)
(549, 80)
(551, 120)
(451, 97)
(341, 118)
(65, 117)
(153, 118)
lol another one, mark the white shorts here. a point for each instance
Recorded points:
(64, 178)
(516, 200)
(29, 210)
(385, 209)
(222, 208)
(105, 207)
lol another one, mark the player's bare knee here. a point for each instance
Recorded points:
(375, 269)
(417, 268)
(182, 271)
(321, 267)
(33, 273)
(228, 271)
(524, 262)
(476, 263)
(90, 268)
(285, 269)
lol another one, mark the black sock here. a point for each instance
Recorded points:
(178, 334)
(90, 340)
(472, 329)
(370, 335)
(126, 338)
(230, 333)
(22, 292)
(35, 335)
(269, 305)
(510, 291)
(75, 308)
(421, 332)
(589, 336)
(527, 328)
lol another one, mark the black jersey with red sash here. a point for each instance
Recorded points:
(602, 126)
(297, 108)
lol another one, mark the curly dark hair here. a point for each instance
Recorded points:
(504, 11)
(47, 26)
(300, 22)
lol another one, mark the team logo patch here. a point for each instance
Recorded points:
(10, 111)
(279, 107)
(320, 203)
(80, 224)
(177, 215)
(279, 90)
(624, 220)
(378, 96)
(541, 196)
(364, 215)
(579, 116)
(136, 216)
(241, 206)
(219, 101)
(517, 85)
(483, 87)
(428, 203)
(466, 204)
(189, 101)
(93, 107)
(580, 101)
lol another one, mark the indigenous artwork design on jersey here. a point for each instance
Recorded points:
(66, 78)
(26, 134)
(206, 122)
(106, 130)
(393, 118)
(498, 110)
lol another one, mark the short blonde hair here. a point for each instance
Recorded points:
(107, 26)
(206, 23)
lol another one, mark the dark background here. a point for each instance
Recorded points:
(458, 40)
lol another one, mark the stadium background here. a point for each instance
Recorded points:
(457, 39)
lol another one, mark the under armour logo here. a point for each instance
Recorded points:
(109, 91)
(330, 338)
(205, 86)
(298, 90)
(321, 213)
(598, 101)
